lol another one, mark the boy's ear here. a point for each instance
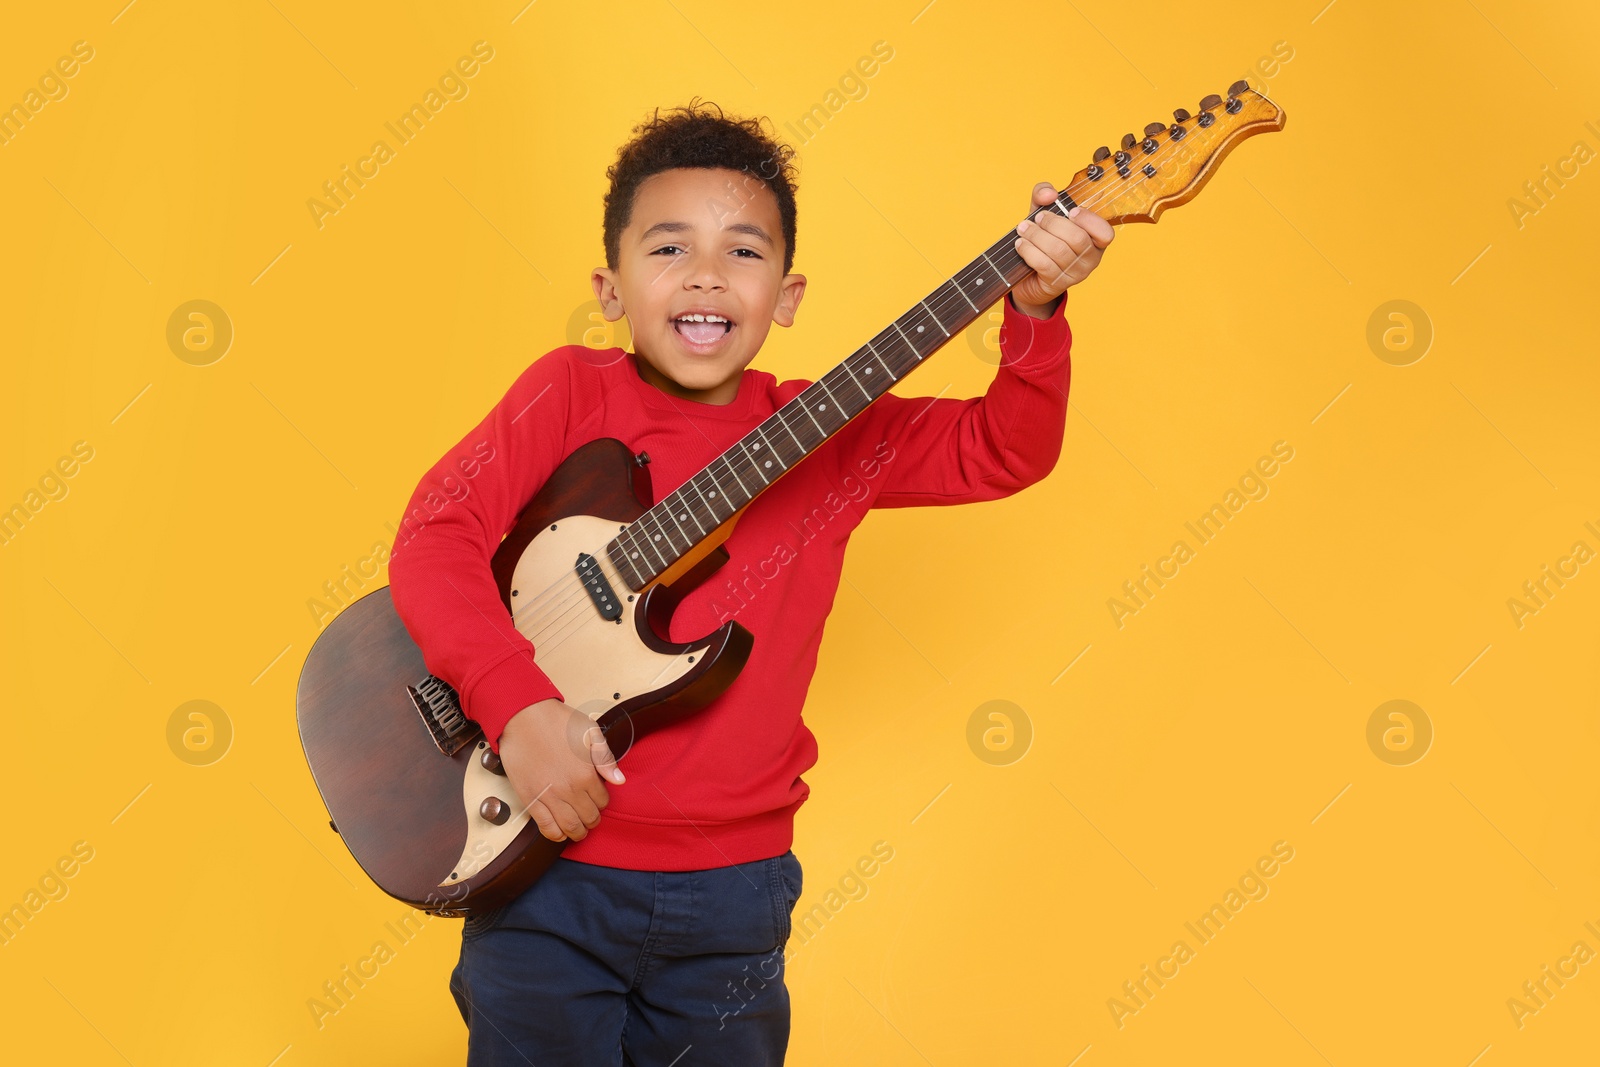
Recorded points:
(790, 290)
(604, 280)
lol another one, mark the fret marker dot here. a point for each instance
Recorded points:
(685, 515)
(919, 329)
(980, 281)
(711, 494)
(634, 555)
(869, 370)
(756, 447)
(658, 537)
(822, 407)
(768, 463)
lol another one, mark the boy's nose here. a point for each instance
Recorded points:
(704, 274)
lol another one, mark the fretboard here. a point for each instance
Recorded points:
(656, 540)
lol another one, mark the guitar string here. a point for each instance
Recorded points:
(629, 540)
(575, 600)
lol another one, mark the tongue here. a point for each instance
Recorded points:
(702, 333)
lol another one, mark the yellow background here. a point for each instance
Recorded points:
(1228, 714)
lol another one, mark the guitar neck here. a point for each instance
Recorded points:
(1166, 168)
(669, 530)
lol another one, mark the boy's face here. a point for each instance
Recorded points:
(700, 241)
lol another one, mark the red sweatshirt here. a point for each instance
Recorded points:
(722, 786)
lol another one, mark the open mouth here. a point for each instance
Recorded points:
(702, 332)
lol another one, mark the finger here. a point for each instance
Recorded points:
(1098, 229)
(1080, 268)
(568, 820)
(596, 791)
(1057, 253)
(1043, 193)
(545, 821)
(1046, 268)
(587, 809)
(1060, 238)
(604, 760)
(1063, 226)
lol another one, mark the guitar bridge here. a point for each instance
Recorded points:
(440, 708)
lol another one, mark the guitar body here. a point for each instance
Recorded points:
(423, 805)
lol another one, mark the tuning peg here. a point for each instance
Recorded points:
(1154, 128)
(1128, 141)
(1102, 154)
(1210, 102)
(1238, 87)
(1181, 115)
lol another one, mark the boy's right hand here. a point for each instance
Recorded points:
(554, 756)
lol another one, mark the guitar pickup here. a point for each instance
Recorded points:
(600, 591)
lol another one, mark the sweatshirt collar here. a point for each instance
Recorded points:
(737, 410)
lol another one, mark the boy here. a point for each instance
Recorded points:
(658, 937)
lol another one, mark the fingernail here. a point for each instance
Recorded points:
(1022, 226)
(1074, 212)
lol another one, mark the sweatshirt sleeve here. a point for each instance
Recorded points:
(951, 451)
(439, 576)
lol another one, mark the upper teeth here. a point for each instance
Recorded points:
(701, 318)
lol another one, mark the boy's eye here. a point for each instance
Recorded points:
(741, 252)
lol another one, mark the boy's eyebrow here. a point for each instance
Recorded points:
(736, 227)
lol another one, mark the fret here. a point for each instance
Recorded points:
(766, 441)
(915, 354)
(752, 461)
(857, 381)
(874, 351)
(619, 560)
(781, 417)
(689, 540)
(650, 542)
(964, 295)
(807, 409)
(735, 472)
(632, 545)
(676, 535)
(837, 407)
(622, 538)
(688, 512)
(919, 330)
(1017, 268)
(632, 554)
(710, 507)
(655, 539)
(932, 315)
(985, 257)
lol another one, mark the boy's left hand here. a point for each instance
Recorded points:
(1061, 251)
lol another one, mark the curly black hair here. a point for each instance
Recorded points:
(696, 136)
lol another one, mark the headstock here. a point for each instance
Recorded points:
(1172, 161)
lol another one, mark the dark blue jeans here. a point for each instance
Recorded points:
(597, 965)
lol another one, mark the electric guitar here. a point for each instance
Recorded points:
(414, 790)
